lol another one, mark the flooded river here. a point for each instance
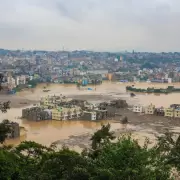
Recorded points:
(46, 132)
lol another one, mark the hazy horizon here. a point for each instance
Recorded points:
(94, 25)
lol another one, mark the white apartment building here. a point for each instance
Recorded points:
(93, 116)
(20, 80)
(150, 109)
(11, 82)
(138, 109)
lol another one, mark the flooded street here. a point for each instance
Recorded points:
(47, 132)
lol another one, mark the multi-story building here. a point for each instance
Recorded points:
(47, 102)
(14, 130)
(138, 109)
(63, 113)
(150, 109)
(20, 80)
(89, 115)
(177, 113)
(60, 114)
(159, 111)
(169, 112)
(11, 82)
(53, 101)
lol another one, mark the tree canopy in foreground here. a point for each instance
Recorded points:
(124, 159)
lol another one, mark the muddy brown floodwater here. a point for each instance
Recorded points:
(77, 133)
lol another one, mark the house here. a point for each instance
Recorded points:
(36, 114)
(14, 130)
(177, 113)
(20, 80)
(62, 113)
(101, 114)
(169, 112)
(11, 82)
(89, 106)
(75, 112)
(159, 111)
(138, 109)
(175, 106)
(89, 115)
(53, 101)
(47, 102)
(150, 109)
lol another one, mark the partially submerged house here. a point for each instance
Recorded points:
(89, 115)
(36, 114)
(159, 111)
(14, 130)
(150, 109)
(138, 109)
(169, 112)
(63, 113)
(177, 113)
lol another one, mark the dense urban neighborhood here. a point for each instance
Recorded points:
(27, 68)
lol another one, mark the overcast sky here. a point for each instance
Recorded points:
(114, 25)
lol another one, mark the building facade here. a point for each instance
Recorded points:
(62, 113)
(138, 109)
(150, 109)
(20, 80)
(159, 111)
(177, 113)
(169, 112)
(14, 130)
(89, 115)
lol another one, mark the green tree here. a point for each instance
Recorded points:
(102, 136)
(126, 159)
(64, 164)
(121, 160)
(9, 167)
(169, 146)
(30, 155)
(33, 83)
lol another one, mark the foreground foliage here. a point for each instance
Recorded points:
(124, 159)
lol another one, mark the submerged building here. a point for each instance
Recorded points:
(169, 112)
(138, 109)
(36, 114)
(159, 111)
(14, 130)
(89, 115)
(150, 109)
(65, 113)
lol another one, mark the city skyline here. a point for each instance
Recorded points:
(102, 25)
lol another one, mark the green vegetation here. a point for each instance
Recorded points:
(33, 83)
(105, 160)
(169, 89)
